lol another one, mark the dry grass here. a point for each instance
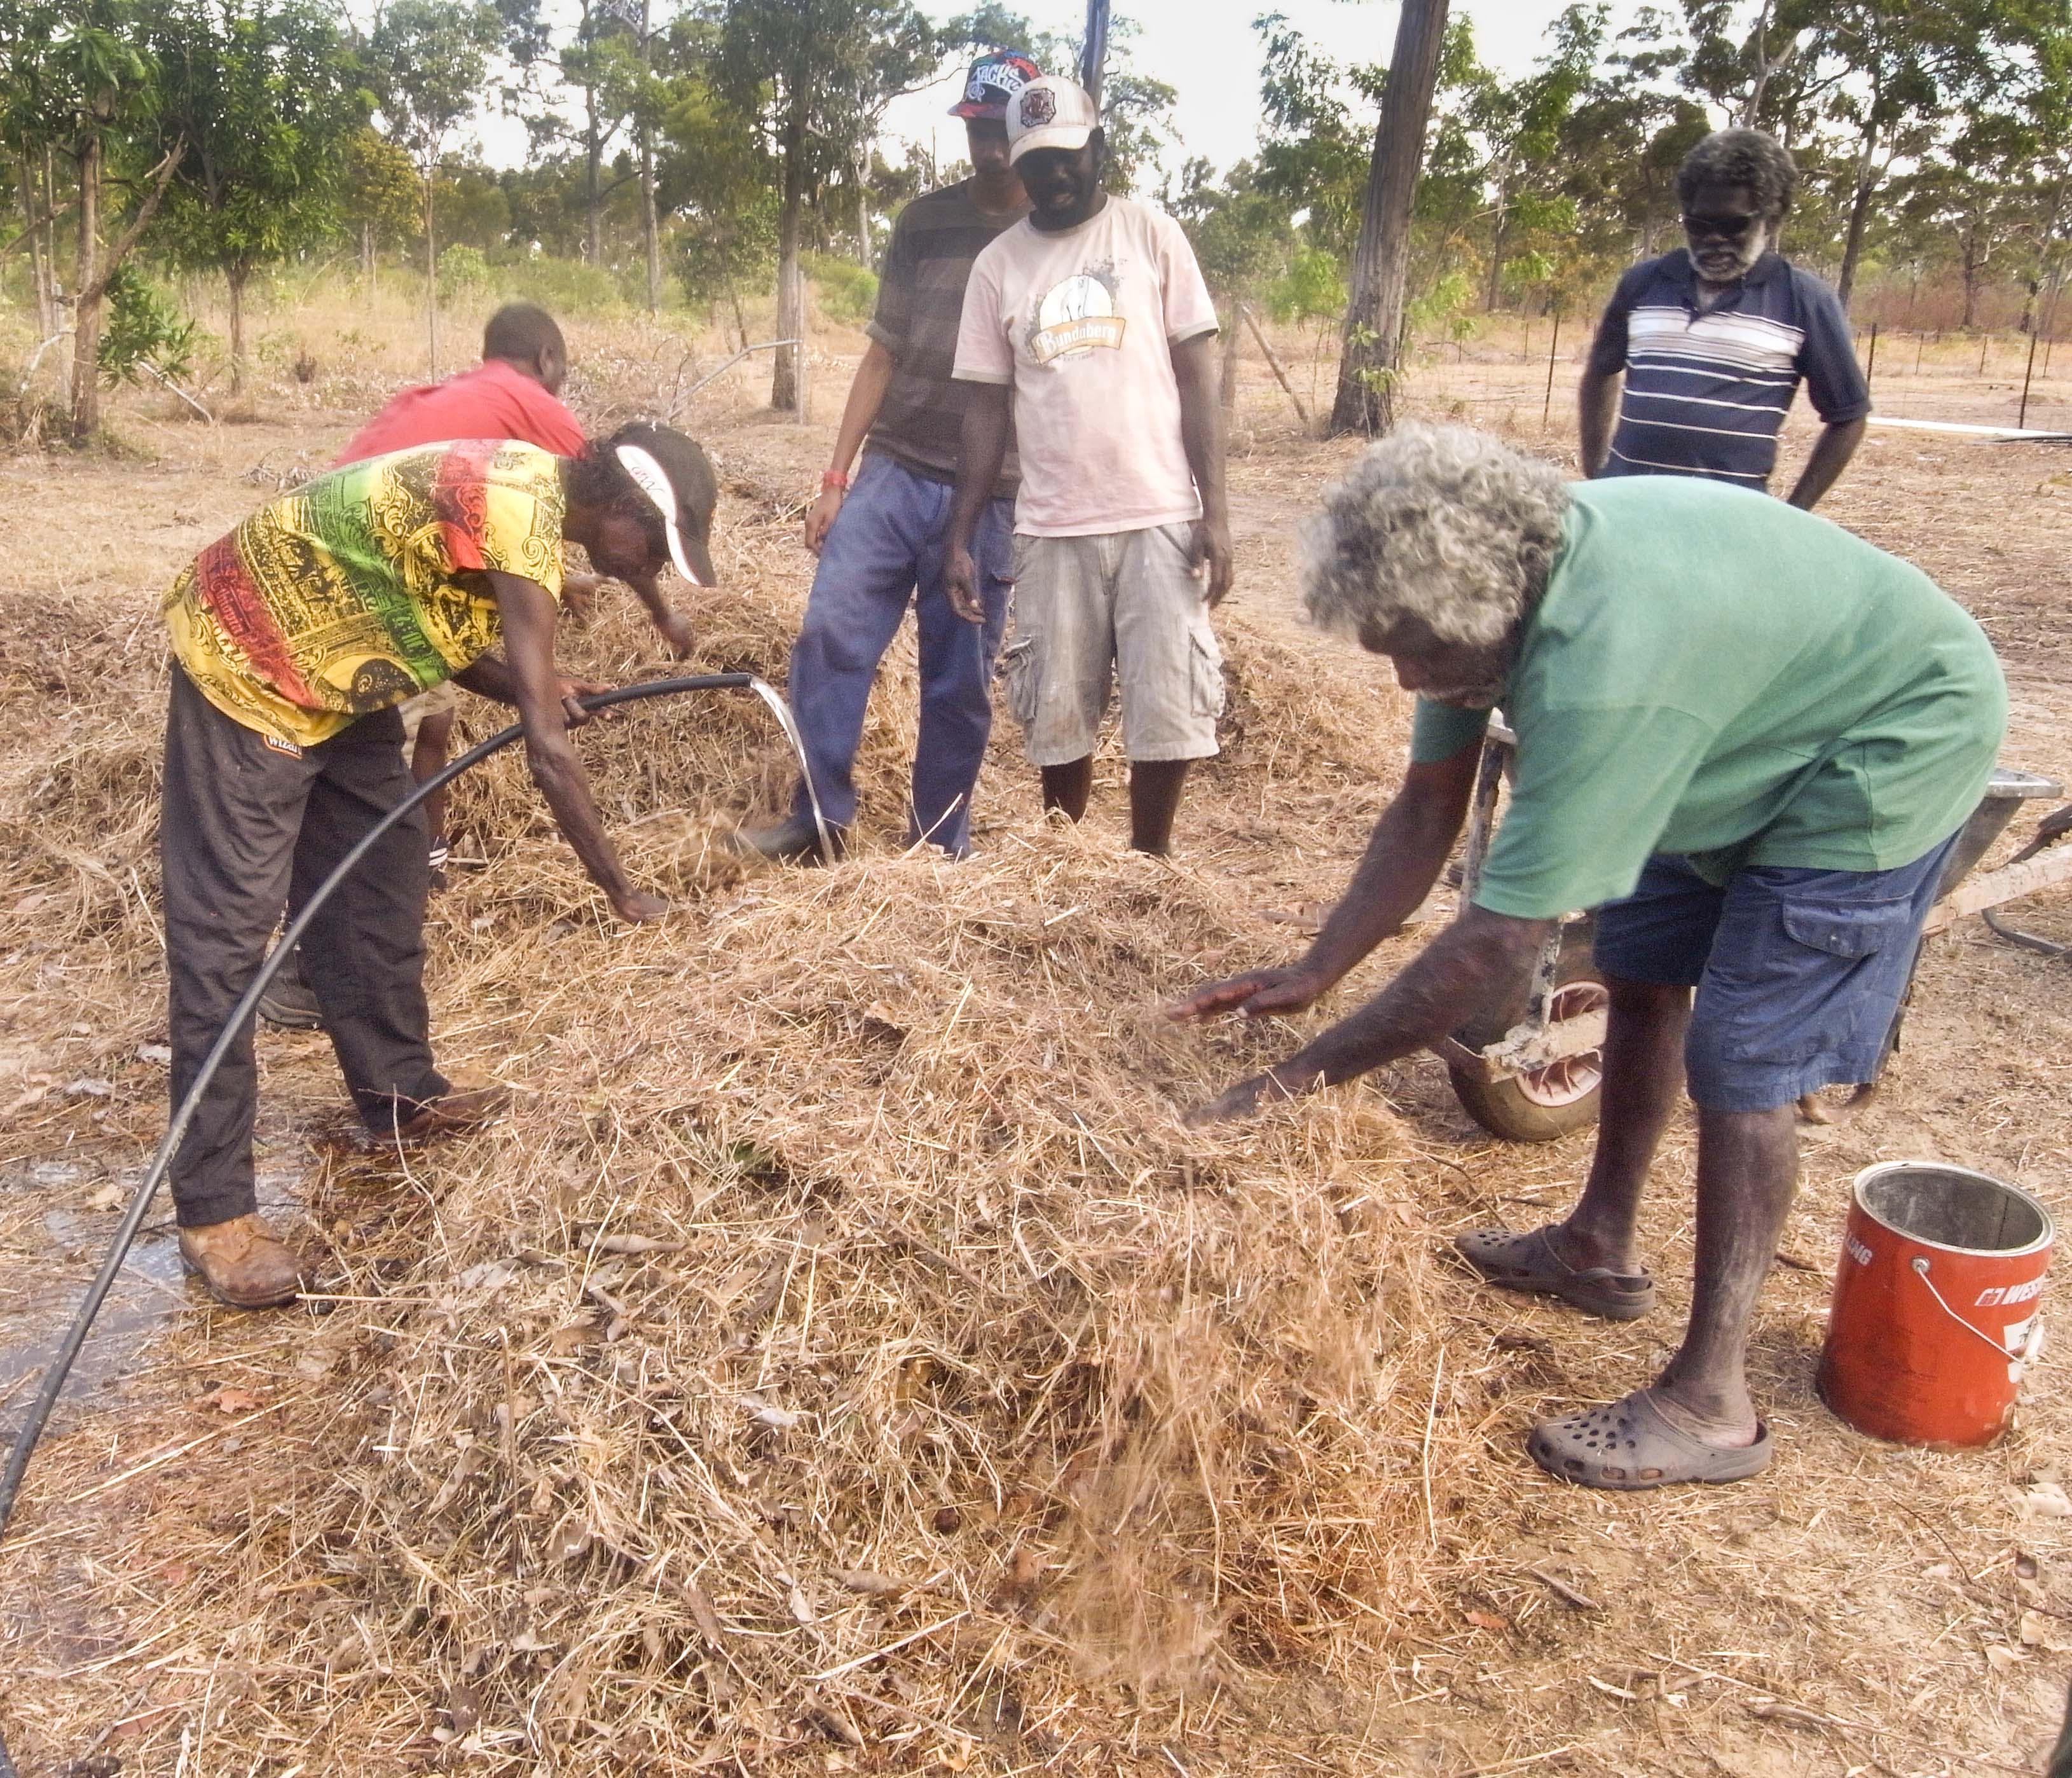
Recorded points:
(844, 1359)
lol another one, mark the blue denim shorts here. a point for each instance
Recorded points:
(1799, 973)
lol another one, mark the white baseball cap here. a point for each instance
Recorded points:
(1051, 113)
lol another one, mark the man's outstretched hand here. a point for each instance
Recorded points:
(1274, 1087)
(1259, 994)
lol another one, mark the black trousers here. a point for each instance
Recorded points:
(246, 826)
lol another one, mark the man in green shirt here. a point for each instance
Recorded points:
(1746, 735)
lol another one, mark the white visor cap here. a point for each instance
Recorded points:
(652, 480)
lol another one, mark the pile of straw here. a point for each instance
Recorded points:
(844, 1343)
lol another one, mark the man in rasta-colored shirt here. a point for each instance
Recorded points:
(881, 542)
(295, 638)
(1754, 737)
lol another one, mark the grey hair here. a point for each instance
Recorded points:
(1746, 157)
(1438, 524)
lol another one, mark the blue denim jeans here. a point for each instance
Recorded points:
(887, 545)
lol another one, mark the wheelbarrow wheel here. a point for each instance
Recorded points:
(1556, 1099)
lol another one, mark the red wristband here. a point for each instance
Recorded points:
(833, 481)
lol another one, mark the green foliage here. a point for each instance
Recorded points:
(1312, 288)
(266, 96)
(429, 60)
(848, 292)
(563, 286)
(143, 328)
(379, 190)
(733, 249)
(1242, 236)
(462, 272)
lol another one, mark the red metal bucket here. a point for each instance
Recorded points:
(1935, 1311)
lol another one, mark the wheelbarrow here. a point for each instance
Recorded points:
(1530, 1069)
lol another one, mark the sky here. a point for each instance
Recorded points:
(1205, 49)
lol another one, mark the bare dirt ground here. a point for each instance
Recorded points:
(1859, 1607)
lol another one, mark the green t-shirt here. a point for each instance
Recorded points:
(1716, 674)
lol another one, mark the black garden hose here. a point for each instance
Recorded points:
(60, 1366)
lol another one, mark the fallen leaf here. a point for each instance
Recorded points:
(525, 1643)
(862, 1580)
(233, 1401)
(2040, 1631)
(2001, 1658)
(159, 1053)
(109, 1196)
(463, 1707)
(2046, 1500)
(90, 1088)
(1487, 1620)
(638, 1244)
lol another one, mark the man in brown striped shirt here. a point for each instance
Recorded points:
(882, 540)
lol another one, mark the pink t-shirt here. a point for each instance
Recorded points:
(493, 401)
(1082, 324)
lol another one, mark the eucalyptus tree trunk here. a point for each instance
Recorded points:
(87, 292)
(1381, 265)
(431, 281)
(1860, 214)
(784, 377)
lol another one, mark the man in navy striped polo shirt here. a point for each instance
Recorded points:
(1714, 340)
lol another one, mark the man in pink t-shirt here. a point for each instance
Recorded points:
(1089, 323)
(513, 393)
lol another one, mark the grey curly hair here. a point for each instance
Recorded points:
(1440, 524)
(1748, 158)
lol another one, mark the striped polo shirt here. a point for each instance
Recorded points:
(920, 301)
(1707, 392)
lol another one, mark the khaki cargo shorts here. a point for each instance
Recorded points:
(439, 699)
(1122, 607)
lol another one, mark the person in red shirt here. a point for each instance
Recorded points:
(514, 392)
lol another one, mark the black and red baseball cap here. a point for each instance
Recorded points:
(994, 80)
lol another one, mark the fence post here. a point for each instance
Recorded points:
(1547, 407)
(2021, 419)
(1871, 364)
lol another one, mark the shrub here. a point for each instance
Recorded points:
(143, 328)
(462, 272)
(848, 292)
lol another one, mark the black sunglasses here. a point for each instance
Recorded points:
(1724, 228)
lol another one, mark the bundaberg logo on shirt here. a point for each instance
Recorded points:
(1077, 314)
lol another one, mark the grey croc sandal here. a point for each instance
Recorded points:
(1629, 1445)
(1528, 1262)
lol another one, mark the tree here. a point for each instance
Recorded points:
(1521, 123)
(1381, 263)
(817, 75)
(91, 90)
(1242, 239)
(381, 198)
(266, 95)
(429, 59)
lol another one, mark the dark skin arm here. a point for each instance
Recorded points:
(987, 409)
(1450, 980)
(1403, 860)
(526, 677)
(666, 617)
(1831, 452)
(1597, 405)
(1200, 378)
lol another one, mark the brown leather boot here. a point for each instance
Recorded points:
(471, 1101)
(243, 1262)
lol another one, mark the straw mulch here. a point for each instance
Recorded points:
(843, 1359)
(844, 1339)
